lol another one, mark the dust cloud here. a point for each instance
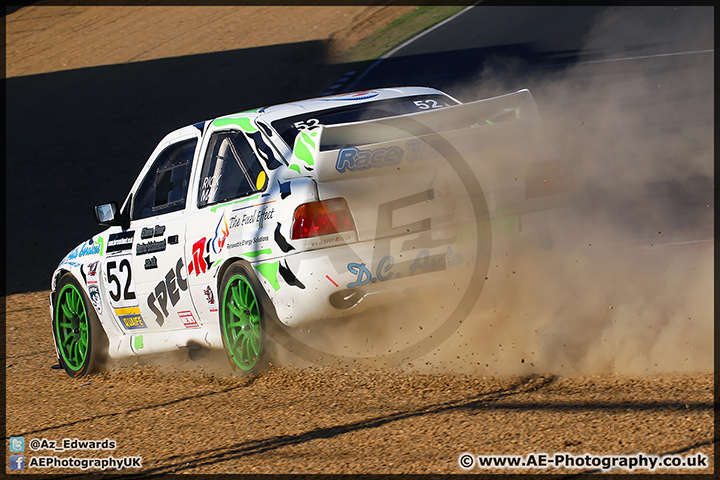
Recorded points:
(619, 279)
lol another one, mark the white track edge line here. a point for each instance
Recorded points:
(405, 44)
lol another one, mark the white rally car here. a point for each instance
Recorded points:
(291, 214)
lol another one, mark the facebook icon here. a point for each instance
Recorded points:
(17, 462)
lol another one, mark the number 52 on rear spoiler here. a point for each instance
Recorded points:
(366, 148)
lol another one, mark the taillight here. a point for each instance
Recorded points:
(322, 218)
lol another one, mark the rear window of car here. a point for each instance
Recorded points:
(230, 170)
(289, 127)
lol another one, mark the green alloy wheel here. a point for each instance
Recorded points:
(79, 338)
(241, 321)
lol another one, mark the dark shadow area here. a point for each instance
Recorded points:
(445, 70)
(80, 137)
(501, 36)
(14, 8)
(537, 37)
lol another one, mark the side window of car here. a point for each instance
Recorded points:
(165, 187)
(230, 170)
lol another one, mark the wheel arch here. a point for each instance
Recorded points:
(59, 273)
(224, 268)
(241, 267)
(97, 340)
(263, 296)
(63, 271)
(57, 276)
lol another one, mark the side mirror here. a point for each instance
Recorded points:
(108, 214)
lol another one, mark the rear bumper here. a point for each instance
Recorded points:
(347, 279)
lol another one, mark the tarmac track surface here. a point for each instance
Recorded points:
(195, 417)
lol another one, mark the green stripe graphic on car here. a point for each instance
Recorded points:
(214, 209)
(257, 253)
(305, 147)
(242, 122)
(270, 272)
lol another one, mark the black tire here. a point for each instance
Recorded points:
(80, 340)
(245, 314)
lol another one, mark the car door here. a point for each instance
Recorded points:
(147, 276)
(233, 209)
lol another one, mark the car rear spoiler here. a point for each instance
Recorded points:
(368, 148)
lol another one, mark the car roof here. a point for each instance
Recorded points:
(272, 113)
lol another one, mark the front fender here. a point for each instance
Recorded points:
(84, 263)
